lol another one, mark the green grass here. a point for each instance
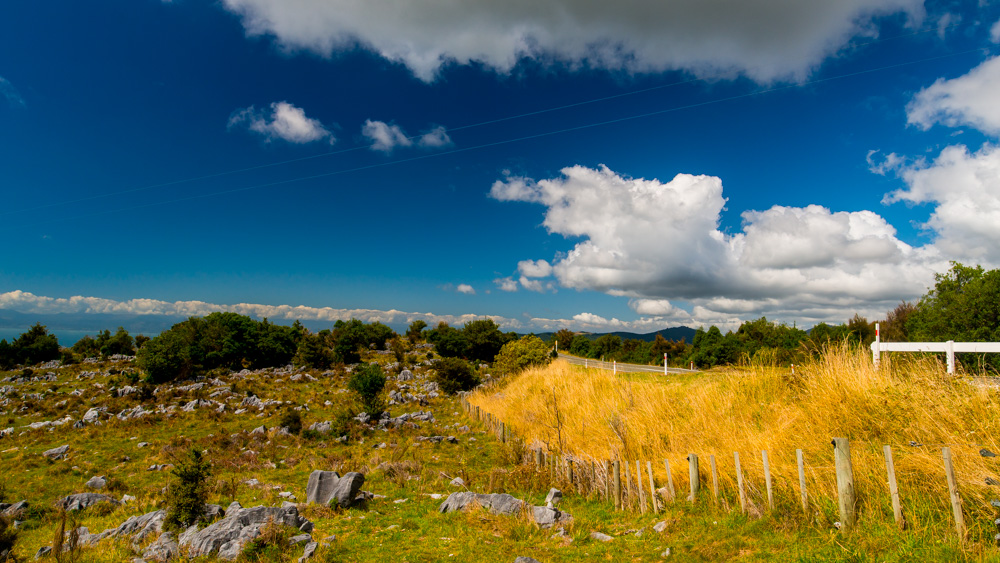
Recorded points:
(412, 530)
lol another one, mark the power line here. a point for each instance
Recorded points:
(415, 137)
(518, 139)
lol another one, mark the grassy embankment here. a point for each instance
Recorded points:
(594, 415)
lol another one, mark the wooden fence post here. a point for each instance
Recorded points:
(802, 482)
(693, 474)
(638, 481)
(618, 485)
(715, 478)
(956, 501)
(845, 482)
(890, 469)
(670, 481)
(652, 487)
(627, 491)
(767, 480)
(607, 480)
(739, 483)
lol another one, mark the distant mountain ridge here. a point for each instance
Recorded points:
(677, 333)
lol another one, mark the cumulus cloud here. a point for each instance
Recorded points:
(507, 284)
(656, 242)
(284, 121)
(384, 137)
(435, 138)
(534, 268)
(11, 94)
(965, 188)
(763, 39)
(995, 32)
(970, 99)
(25, 302)
(466, 289)
(891, 162)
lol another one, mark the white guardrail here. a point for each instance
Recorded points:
(619, 367)
(950, 348)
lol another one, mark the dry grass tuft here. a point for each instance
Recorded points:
(593, 414)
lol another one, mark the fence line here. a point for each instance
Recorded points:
(621, 367)
(950, 348)
(620, 482)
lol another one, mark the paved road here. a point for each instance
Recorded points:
(620, 367)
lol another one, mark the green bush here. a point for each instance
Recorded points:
(8, 537)
(522, 354)
(292, 420)
(454, 375)
(368, 382)
(187, 495)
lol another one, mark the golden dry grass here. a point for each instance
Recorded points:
(594, 415)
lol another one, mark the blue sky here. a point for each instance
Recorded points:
(547, 164)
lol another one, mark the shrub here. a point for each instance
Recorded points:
(454, 375)
(187, 494)
(519, 355)
(484, 339)
(8, 537)
(292, 420)
(368, 382)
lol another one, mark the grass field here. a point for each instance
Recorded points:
(601, 416)
(908, 403)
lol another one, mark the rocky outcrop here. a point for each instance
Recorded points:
(83, 500)
(544, 516)
(227, 537)
(328, 487)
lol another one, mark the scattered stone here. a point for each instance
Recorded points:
(526, 560)
(666, 553)
(164, 548)
(496, 503)
(259, 430)
(96, 483)
(327, 487)
(321, 427)
(83, 500)
(56, 453)
(660, 526)
(228, 536)
(142, 444)
(552, 499)
(301, 538)
(600, 536)
(43, 551)
(309, 551)
(457, 482)
(14, 510)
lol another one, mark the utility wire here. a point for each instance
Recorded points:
(517, 139)
(416, 137)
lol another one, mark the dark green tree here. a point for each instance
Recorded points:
(449, 342)
(484, 339)
(606, 346)
(188, 492)
(36, 346)
(522, 354)
(580, 346)
(565, 339)
(454, 374)
(416, 330)
(368, 382)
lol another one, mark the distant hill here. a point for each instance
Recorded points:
(676, 333)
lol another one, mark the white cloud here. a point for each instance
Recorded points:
(966, 190)
(285, 122)
(970, 99)
(25, 302)
(11, 94)
(507, 284)
(763, 39)
(466, 289)
(384, 137)
(435, 138)
(657, 242)
(995, 32)
(534, 268)
(531, 285)
(892, 162)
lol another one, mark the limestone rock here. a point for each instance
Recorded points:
(164, 548)
(96, 483)
(56, 453)
(526, 560)
(309, 551)
(660, 526)
(497, 503)
(228, 536)
(600, 536)
(321, 486)
(553, 498)
(347, 489)
(83, 500)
